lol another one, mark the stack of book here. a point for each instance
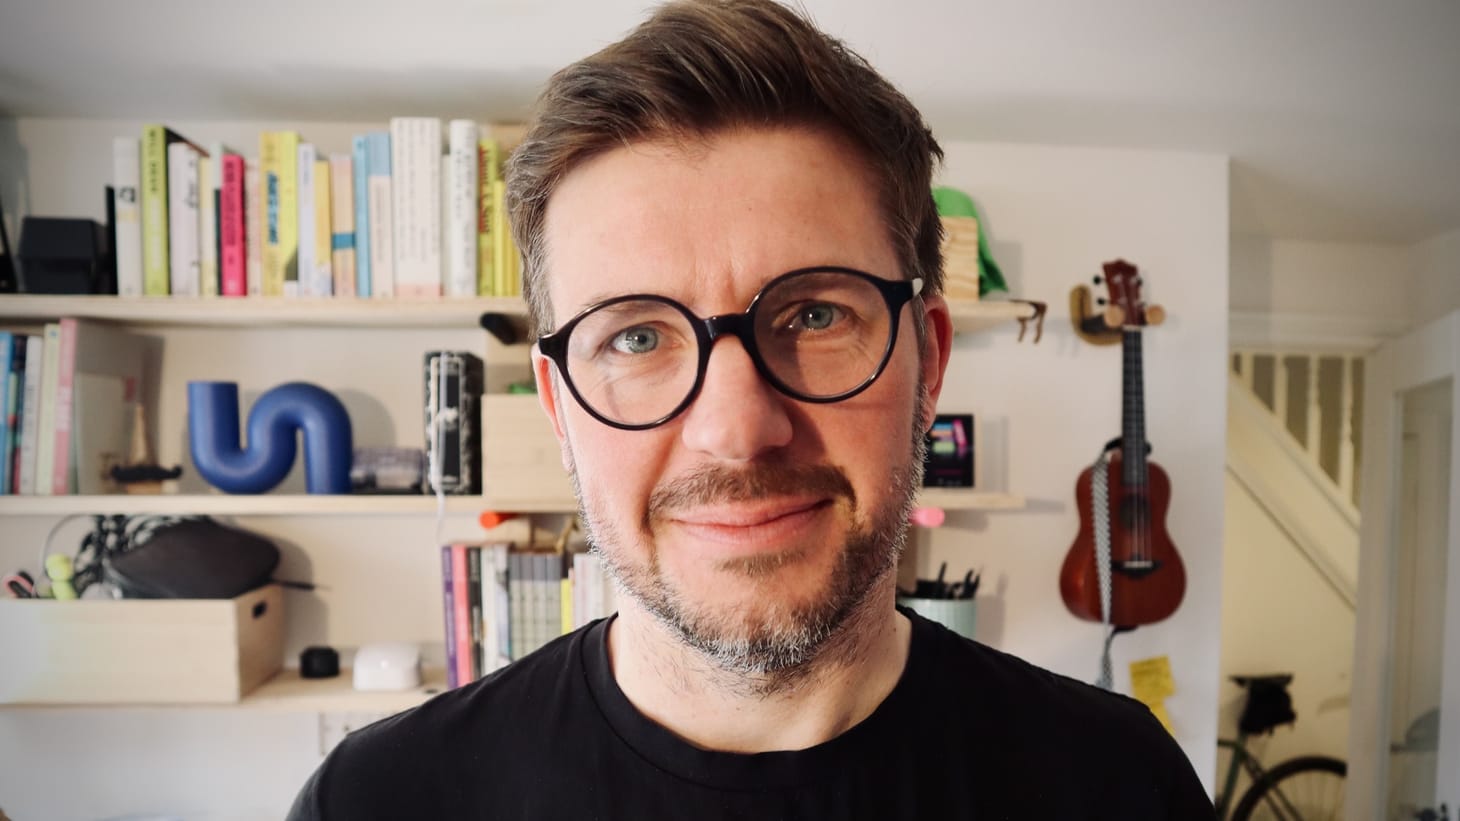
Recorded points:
(500, 605)
(67, 401)
(414, 211)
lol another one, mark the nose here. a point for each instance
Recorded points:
(737, 415)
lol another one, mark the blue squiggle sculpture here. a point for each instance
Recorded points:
(295, 406)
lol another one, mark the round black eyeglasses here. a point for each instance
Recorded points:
(818, 335)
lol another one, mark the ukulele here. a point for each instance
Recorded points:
(1147, 577)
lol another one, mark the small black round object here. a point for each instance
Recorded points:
(319, 662)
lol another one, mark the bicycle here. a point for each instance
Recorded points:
(1306, 788)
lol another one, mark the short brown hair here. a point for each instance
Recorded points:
(698, 67)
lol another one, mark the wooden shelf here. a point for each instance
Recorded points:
(960, 499)
(224, 505)
(344, 313)
(259, 311)
(287, 692)
(217, 504)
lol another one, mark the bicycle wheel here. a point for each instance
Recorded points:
(1308, 788)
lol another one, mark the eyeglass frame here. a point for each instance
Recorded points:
(896, 293)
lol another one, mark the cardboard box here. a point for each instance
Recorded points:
(140, 651)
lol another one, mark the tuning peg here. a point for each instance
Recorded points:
(1097, 279)
(1114, 317)
(1155, 314)
(1100, 300)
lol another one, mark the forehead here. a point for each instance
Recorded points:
(709, 221)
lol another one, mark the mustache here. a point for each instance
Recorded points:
(711, 484)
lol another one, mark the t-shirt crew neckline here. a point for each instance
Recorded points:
(753, 772)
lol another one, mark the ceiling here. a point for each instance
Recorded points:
(1342, 117)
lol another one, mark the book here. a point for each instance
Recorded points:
(182, 219)
(361, 158)
(31, 412)
(45, 441)
(62, 410)
(322, 282)
(155, 195)
(342, 223)
(415, 148)
(489, 154)
(307, 215)
(207, 229)
(501, 241)
(279, 179)
(15, 389)
(232, 228)
(460, 219)
(253, 226)
(127, 214)
(461, 612)
(8, 342)
(474, 616)
(382, 224)
(448, 608)
(516, 621)
(501, 606)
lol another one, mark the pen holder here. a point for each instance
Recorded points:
(957, 615)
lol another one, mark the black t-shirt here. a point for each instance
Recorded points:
(968, 732)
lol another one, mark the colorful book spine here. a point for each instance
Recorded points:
(323, 283)
(32, 411)
(63, 411)
(182, 219)
(501, 607)
(517, 581)
(489, 156)
(461, 612)
(342, 223)
(14, 406)
(45, 444)
(462, 190)
(232, 228)
(207, 227)
(360, 146)
(155, 268)
(448, 607)
(126, 205)
(415, 145)
(8, 389)
(278, 170)
(382, 222)
(307, 216)
(254, 210)
(501, 240)
(474, 617)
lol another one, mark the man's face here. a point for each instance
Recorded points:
(751, 524)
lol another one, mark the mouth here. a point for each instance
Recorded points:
(752, 527)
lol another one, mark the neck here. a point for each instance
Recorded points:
(677, 688)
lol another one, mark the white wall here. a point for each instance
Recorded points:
(1436, 289)
(1054, 214)
(1327, 279)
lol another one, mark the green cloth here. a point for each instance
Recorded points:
(954, 203)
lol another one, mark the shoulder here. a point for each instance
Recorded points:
(401, 761)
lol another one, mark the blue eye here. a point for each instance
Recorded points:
(636, 340)
(818, 317)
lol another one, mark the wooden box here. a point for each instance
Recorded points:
(139, 651)
(522, 466)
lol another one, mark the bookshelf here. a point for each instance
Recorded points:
(217, 504)
(256, 312)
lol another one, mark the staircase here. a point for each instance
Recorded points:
(1292, 443)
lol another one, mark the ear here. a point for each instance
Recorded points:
(938, 344)
(550, 396)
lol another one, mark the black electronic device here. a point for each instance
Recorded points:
(62, 255)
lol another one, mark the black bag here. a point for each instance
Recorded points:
(193, 559)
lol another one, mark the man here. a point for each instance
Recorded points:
(731, 258)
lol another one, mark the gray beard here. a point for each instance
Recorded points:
(778, 651)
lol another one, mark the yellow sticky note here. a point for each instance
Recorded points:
(1159, 711)
(1150, 679)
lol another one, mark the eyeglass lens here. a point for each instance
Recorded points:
(819, 334)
